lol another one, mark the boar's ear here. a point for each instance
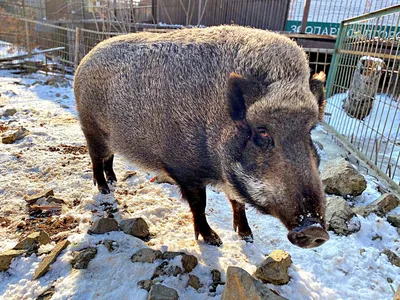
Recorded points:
(239, 88)
(317, 83)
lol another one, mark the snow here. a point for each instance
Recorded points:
(343, 268)
(380, 126)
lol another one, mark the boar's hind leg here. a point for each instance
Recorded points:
(197, 200)
(99, 153)
(108, 169)
(240, 223)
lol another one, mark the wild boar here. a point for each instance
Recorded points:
(227, 106)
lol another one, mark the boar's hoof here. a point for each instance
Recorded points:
(111, 179)
(247, 238)
(104, 190)
(212, 239)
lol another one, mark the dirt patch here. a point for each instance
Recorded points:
(68, 149)
(3, 128)
(4, 222)
(52, 226)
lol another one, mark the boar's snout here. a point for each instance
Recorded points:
(308, 235)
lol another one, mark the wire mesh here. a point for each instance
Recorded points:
(363, 88)
(325, 15)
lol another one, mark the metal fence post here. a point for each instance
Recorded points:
(305, 16)
(77, 47)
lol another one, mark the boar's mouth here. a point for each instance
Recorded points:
(309, 234)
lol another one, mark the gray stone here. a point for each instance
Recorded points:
(32, 199)
(216, 276)
(340, 217)
(65, 97)
(33, 241)
(380, 206)
(145, 284)
(58, 94)
(189, 262)
(104, 225)
(110, 245)
(194, 282)
(161, 292)
(64, 106)
(240, 285)
(274, 269)
(165, 269)
(392, 257)
(46, 295)
(394, 220)
(9, 112)
(341, 178)
(136, 227)
(50, 258)
(171, 255)
(82, 258)
(7, 256)
(146, 255)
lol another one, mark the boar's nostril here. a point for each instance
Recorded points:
(308, 237)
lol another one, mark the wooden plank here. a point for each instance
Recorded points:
(32, 54)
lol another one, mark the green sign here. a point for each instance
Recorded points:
(353, 30)
(313, 27)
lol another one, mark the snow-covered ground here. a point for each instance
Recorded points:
(343, 268)
(379, 130)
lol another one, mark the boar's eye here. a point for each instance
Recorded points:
(262, 138)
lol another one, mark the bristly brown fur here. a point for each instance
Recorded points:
(167, 103)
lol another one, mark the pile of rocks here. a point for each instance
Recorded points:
(342, 180)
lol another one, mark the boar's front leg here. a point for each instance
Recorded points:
(196, 196)
(240, 223)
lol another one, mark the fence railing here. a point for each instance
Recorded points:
(363, 90)
(69, 44)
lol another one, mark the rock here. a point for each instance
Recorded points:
(9, 112)
(171, 255)
(52, 199)
(340, 217)
(189, 262)
(194, 282)
(128, 174)
(65, 97)
(341, 178)
(146, 255)
(145, 284)
(216, 276)
(82, 258)
(392, 257)
(274, 269)
(50, 258)
(240, 285)
(160, 292)
(380, 206)
(33, 241)
(32, 199)
(104, 225)
(9, 138)
(165, 269)
(7, 256)
(110, 245)
(46, 295)
(64, 106)
(397, 295)
(394, 220)
(136, 227)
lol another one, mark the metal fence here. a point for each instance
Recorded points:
(363, 90)
(68, 45)
(324, 16)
